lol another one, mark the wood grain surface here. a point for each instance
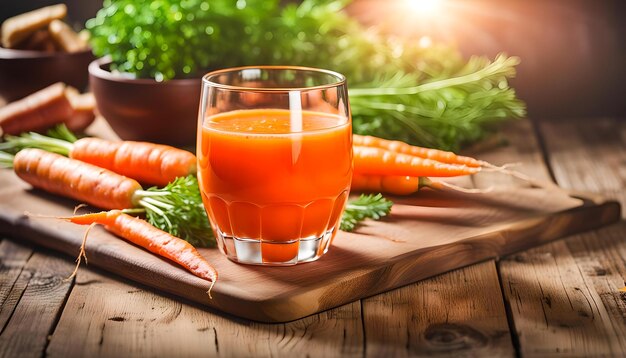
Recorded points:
(43, 293)
(408, 321)
(564, 297)
(426, 235)
(110, 318)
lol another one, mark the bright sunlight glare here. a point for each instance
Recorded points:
(425, 7)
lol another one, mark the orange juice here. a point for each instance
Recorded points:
(272, 179)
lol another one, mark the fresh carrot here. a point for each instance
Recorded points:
(176, 208)
(390, 184)
(141, 233)
(377, 161)
(403, 185)
(75, 179)
(401, 147)
(149, 163)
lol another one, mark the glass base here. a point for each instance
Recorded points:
(274, 253)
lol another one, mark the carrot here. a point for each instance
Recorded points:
(403, 185)
(146, 162)
(401, 147)
(81, 181)
(371, 160)
(141, 233)
(149, 163)
(390, 184)
(176, 208)
(444, 157)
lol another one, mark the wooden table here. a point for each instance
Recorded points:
(560, 299)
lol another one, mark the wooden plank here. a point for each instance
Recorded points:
(563, 297)
(106, 317)
(26, 333)
(457, 313)
(589, 155)
(596, 162)
(13, 279)
(554, 311)
(601, 259)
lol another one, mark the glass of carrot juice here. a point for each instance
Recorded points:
(274, 161)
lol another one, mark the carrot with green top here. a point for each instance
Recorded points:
(377, 161)
(150, 163)
(141, 233)
(176, 208)
(405, 148)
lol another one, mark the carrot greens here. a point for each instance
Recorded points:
(60, 131)
(438, 112)
(366, 206)
(6, 160)
(57, 145)
(177, 208)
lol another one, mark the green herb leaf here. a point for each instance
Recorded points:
(444, 113)
(366, 206)
(177, 208)
(60, 131)
(36, 140)
(6, 160)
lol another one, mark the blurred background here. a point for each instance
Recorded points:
(573, 52)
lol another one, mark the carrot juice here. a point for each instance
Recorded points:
(274, 186)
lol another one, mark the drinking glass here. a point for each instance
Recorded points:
(274, 161)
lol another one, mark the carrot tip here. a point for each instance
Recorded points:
(210, 288)
(486, 166)
(31, 215)
(439, 185)
(467, 190)
(519, 175)
(82, 253)
(77, 207)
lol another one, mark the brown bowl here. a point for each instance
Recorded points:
(23, 72)
(144, 109)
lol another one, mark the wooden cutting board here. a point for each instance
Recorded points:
(425, 235)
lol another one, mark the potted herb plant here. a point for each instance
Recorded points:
(148, 87)
(153, 54)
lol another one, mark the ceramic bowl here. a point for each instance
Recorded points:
(23, 72)
(144, 109)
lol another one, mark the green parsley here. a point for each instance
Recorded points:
(366, 206)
